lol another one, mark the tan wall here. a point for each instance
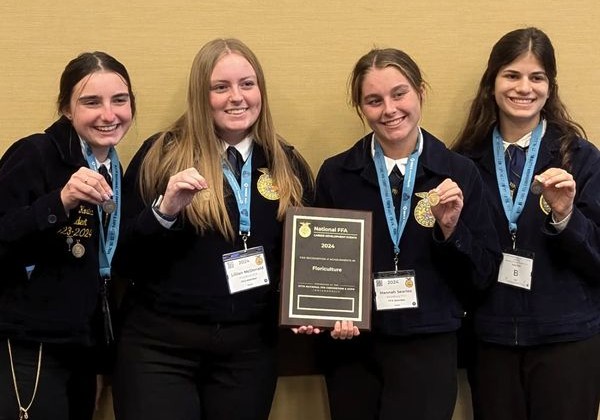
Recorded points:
(307, 49)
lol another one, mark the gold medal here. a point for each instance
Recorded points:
(78, 250)
(536, 187)
(433, 198)
(109, 206)
(265, 185)
(205, 194)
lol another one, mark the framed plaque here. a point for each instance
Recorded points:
(326, 273)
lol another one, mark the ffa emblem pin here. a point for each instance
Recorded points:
(265, 185)
(423, 214)
(544, 205)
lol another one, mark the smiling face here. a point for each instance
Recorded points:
(100, 111)
(235, 97)
(392, 108)
(521, 89)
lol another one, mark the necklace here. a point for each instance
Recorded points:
(23, 415)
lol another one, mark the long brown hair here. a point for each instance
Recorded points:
(483, 115)
(191, 141)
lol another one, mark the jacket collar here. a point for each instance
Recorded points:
(65, 139)
(549, 153)
(431, 161)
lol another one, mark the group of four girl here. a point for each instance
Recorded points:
(195, 342)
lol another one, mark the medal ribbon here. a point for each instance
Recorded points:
(241, 191)
(396, 227)
(514, 210)
(108, 244)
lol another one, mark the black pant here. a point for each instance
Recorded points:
(66, 387)
(385, 378)
(173, 369)
(558, 381)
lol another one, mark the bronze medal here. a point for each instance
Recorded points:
(536, 187)
(433, 198)
(78, 250)
(109, 206)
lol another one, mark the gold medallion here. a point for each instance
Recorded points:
(265, 185)
(544, 205)
(205, 194)
(78, 250)
(409, 282)
(422, 212)
(259, 260)
(433, 198)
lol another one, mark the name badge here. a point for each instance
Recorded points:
(516, 268)
(246, 269)
(395, 290)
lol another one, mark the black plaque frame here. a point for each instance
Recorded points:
(326, 270)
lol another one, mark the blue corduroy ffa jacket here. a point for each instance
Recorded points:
(446, 270)
(564, 301)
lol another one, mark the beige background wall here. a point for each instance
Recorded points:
(307, 50)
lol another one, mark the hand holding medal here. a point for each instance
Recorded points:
(85, 185)
(181, 190)
(446, 203)
(558, 188)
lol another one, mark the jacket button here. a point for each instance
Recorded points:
(52, 219)
(458, 244)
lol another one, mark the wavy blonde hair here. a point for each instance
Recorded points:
(191, 141)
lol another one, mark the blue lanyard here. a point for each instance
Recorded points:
(514, 210)
(108, 244)
(242, 192)
(396, 227)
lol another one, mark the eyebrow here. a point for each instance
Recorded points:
(240, 79)
(518, 72)
(402, 86)
(117, 95)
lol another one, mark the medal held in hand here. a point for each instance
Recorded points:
(536, 187)
(433, 198)
(109, 206)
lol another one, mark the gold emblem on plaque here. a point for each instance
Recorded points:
(265, 185)
(259, 260)
(422, 212)
(409, 282)
(304, 230)
(544, 205)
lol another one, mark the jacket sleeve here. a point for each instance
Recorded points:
(27, 207)
(475, 240)
(322, 193)
(579, 242)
